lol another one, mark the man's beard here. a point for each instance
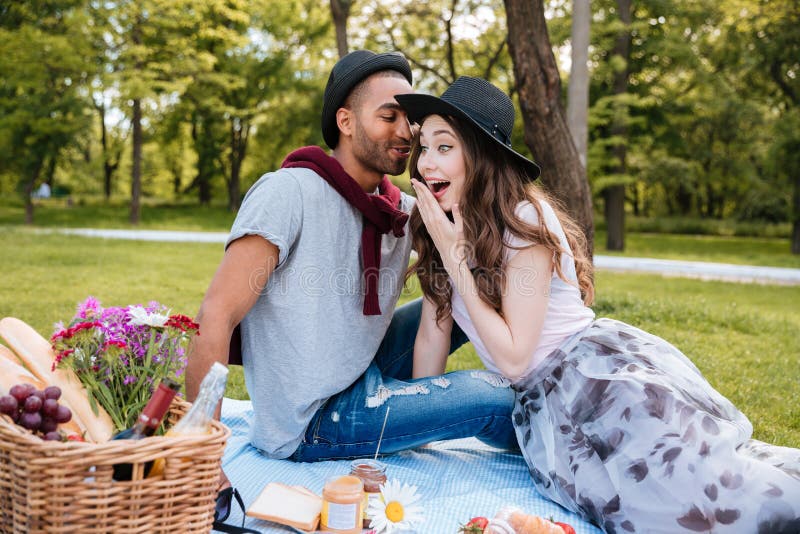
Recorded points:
(376, 156)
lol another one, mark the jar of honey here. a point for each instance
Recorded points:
(342, 505)
(372, 474)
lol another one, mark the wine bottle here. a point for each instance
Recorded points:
(198, 419)
(147, 423)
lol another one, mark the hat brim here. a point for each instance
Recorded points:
(419, 106)
(341, 88)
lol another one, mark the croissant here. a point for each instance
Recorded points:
(511, 520)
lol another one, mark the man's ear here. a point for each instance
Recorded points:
(345, 120)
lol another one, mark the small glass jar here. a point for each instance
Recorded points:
(342, 505)
(372, 474)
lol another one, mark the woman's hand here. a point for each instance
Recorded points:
(447, 236)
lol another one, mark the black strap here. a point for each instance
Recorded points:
(233, 529)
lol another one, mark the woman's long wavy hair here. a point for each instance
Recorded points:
(494, 187)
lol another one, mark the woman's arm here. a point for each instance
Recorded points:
(512, 337)
(433, 342)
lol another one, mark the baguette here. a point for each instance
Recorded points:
(287, 505)
(12, 373)
(36, 353)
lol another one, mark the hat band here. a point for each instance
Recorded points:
(493, 129)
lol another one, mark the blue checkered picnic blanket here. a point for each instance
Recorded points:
(457, 479)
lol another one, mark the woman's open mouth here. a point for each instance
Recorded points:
(437, 186)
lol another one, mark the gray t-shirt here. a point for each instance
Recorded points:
(306, 338)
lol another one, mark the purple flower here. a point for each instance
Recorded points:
(129, 380)
(89, 308)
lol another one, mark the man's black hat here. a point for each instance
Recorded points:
(478, 102)
(347, 72)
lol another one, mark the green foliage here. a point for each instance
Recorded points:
(708, 121)
(42, 108)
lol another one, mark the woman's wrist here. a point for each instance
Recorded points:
(460, 273)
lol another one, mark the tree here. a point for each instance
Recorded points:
(546, 130)
(340, 11)
(112, 142)
(462, 37)
(152, 53)
(42, 107)
(614, 195)
(773, 64)
(578, 90)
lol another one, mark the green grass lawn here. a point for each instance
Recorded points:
(765, 251)
(774, 251)
(95, 214)
(743, 337)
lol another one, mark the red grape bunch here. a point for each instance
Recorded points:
(38, 411)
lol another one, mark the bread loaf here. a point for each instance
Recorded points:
(37, 355)
(287, 505)
(12, 373)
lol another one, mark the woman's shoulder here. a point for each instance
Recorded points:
(527, 212)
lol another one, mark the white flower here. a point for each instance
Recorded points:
(140, 316)
(396, 509)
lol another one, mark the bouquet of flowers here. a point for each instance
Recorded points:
(121, 354)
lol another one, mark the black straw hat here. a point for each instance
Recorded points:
(481, 104)
(347, 72)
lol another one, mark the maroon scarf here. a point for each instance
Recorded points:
(381, 212)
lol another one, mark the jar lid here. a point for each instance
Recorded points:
(344, 485)
(367, 466)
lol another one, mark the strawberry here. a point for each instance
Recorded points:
(565, 527)
(476, 525)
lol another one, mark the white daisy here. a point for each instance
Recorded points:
(140, 316)
(396, 509)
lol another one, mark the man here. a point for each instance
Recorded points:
(313, 269)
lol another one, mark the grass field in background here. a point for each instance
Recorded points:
(742, 337)
(766, 250)
(763, 251)
(114, 214)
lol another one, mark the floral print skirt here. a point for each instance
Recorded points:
(620, 427)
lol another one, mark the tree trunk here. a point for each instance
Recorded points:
(136, 175)
(239, 134)
(546, 131)
(50, 172)
(615, 217)
(28, 191)
(578, 90)
(796, 212)
(340, 10)
(615, 194)
(136, 125)
(108, 166)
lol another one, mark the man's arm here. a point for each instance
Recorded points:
(239, 280)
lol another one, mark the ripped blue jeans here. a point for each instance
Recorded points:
(455, 405)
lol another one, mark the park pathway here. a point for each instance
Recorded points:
(688, 269)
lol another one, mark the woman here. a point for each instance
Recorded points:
(614, 423)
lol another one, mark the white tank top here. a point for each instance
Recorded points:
(566, 313)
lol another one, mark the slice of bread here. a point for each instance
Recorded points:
(12, 373)
(287, 505)
(37, 355)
